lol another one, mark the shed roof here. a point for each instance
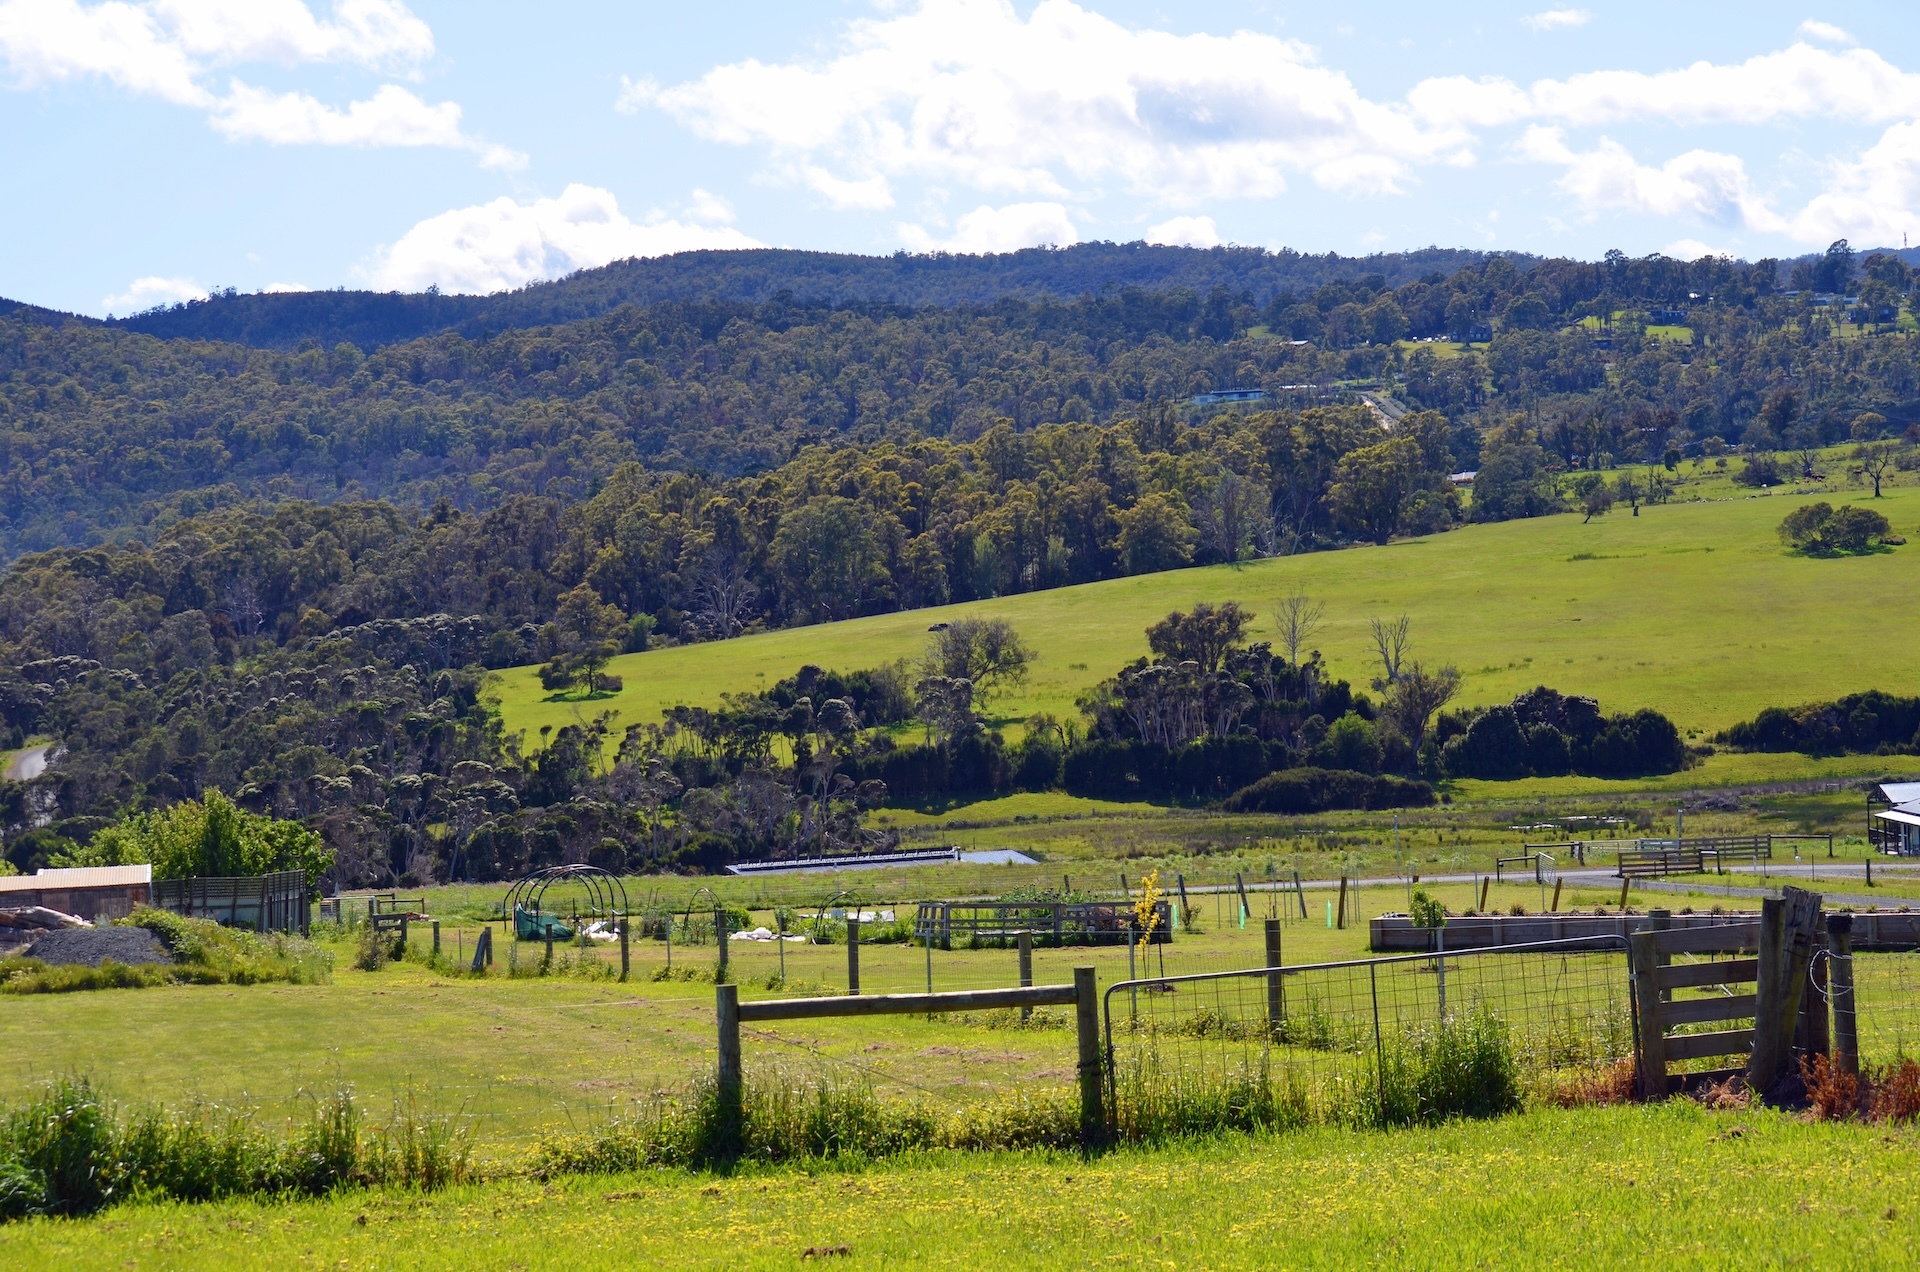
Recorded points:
(79, 877)
(1907, 816)
(1900, 792)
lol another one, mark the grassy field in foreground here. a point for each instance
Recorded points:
(1672, 1187)
(1693, 608)
(525, 1055)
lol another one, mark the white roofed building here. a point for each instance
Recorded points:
(1893, 818)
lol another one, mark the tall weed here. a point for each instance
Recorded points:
(69, 1152)
(1461, 1067)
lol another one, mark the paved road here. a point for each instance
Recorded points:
(25, 765)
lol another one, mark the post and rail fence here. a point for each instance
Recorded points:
(1083, 994)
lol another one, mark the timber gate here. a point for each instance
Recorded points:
(1761, 991)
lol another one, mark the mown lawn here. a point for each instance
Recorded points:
(1669, 1187)
(1692, 608)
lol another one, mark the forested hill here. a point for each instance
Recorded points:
(371, 319)
(106, 433)
(283, 572)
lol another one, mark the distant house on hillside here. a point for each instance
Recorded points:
(1221, 396)
(1893, 818)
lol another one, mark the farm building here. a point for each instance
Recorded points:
(91, 892)
(1893, 818)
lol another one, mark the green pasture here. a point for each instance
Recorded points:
(1673, 1187)
(1693, 608)
(522, 1055)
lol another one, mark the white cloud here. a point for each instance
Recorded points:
(1700, 183)
(145, 293)
(1815, 29)
(391, 117)
(1797, 82)
(967, 91)
(1691, 249)
(709, 208)
(1555, 19)
(970, 100)
(503, 244)
(1186, 231)
(274, 289)
(1873, 199)
(1005, 229)
(167, 48)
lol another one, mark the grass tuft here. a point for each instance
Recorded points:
(70, 1152)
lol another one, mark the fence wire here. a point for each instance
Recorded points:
(1887, 1005)
(1565, 1010)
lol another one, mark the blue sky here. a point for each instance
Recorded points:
(157, 148)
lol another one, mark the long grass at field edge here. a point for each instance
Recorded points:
(1599, 1188)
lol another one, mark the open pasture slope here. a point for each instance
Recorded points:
(1672, 1187)
(1694, 609)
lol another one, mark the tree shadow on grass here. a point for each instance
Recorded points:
(571, 695)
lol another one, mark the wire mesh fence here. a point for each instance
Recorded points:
(1887, 1005)
(1324, 1032)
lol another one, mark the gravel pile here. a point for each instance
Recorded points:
(91, 946)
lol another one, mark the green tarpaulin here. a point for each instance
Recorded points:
(529, 926)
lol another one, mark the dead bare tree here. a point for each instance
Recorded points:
(1300, 618)
(724, 597)
(1390, 640)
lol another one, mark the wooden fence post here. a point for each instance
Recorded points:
(1812, 1035)
(1763, 1065)
(1341, 921)
(1486, 886)
(853, 955)
(721, 934)
(436, 938)
(483, 950)
(1661, 921)
(1786, 948)
(1846, 1026)
(624, 964)
(1025, 940)
(1276, 1005)
(1093, 1117)
(727, 1015)
(1650, 1058)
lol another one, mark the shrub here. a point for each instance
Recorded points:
(1896, 1092)
(1833, 1092)
(1861, 723)
(1819, 529)
(1313, 790)
(208, 954)
(205, 837)
(1760, 470)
